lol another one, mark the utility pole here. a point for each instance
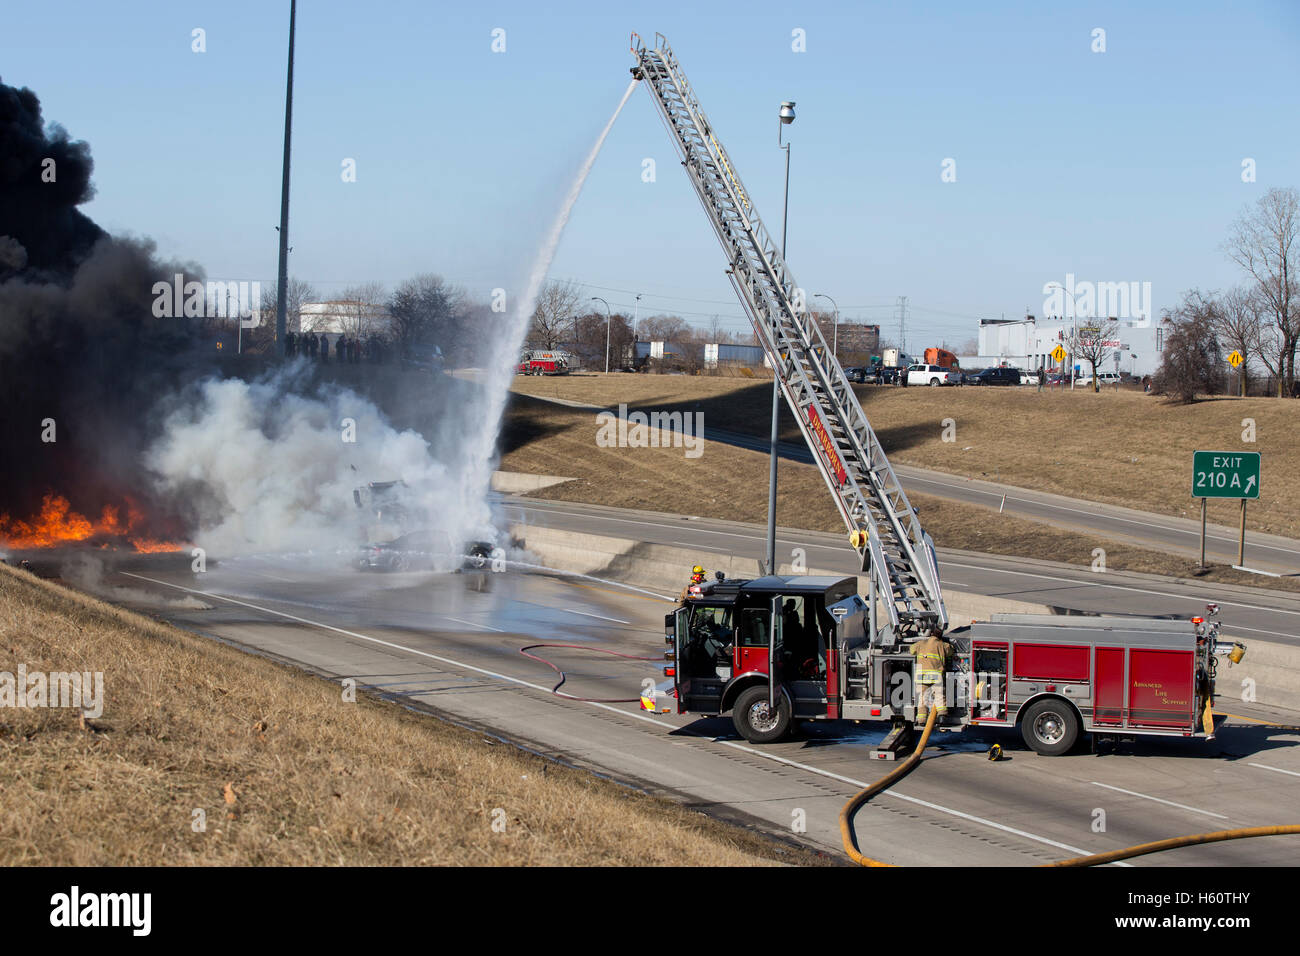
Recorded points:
(282, 284)
(902, 324)
(786, 118)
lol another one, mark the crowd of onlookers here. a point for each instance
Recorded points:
(347, 350)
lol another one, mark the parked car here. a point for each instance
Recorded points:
(855, 374)
(971, 376)
(888, 375)
(932, 375)
(1105, 378)
(1000, 376)
(1029, 378)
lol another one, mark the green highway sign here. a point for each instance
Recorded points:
(1225, 474)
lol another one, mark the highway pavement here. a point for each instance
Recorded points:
(1246, 612)
(451, 643)
(1164, 533)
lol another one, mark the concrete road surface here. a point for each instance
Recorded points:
(1247, 612)
(451, 643)
(1174, 535)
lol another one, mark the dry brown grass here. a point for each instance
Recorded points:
(731, 483)
(314, 780)
(1122, 448)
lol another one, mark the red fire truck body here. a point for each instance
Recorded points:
(1054, 677)
(541, 362)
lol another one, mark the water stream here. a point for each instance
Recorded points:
(501, 362)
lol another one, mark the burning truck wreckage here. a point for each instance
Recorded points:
(129, 437)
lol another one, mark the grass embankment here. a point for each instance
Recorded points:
(1122, 448)
(286, 771)
(731, 483)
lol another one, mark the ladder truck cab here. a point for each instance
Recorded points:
(778, 649)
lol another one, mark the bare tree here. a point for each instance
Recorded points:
(1263, 242)
(1238, 319)
(1192, 358)
(297, 294)
(361, 310)
(1093, 343)
(554, 314)
(426, 311)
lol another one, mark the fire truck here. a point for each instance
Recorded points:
(543, 362)
(778, 649)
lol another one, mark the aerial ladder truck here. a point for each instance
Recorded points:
(779, 649)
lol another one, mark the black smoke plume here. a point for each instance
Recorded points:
(79, 344)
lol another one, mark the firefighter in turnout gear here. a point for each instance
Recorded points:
(697, 577)
(932, 658)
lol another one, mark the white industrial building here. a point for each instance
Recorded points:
(351, 317)
(1028, 343)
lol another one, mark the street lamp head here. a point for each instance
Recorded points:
(787, 112)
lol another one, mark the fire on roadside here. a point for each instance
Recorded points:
(58, 524)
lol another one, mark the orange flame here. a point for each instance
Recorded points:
(58, 524)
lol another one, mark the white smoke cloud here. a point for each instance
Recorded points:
(268, 470)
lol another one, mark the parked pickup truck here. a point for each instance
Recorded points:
(932, 375)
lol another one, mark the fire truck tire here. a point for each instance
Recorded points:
(1050, 727)
(753, 718)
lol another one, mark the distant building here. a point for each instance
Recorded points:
(854, 342)
(1028, 343)
(351, 317)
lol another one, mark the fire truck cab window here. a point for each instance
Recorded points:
(710, 630)
(753, 627)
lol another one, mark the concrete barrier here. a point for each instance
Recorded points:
(520, 483)
(1270, 671)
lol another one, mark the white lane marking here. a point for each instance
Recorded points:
(943, 561)
(1264, 766)
(1238, 627)
(571, 610)
(1225, 602)
(1180, 806)
(1028, 501)
(925, 803)
(472, 624)
(1097, 514)
(861, 785)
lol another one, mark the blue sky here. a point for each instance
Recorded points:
(1115, 166)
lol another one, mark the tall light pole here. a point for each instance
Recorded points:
(636, 314)
(835, 335)
(282, 281)
(609, 320)
(786, 118)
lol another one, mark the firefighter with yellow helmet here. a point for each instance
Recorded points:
(697, 577)
(932, 658)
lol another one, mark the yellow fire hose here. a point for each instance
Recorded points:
(884, 783)
(1096, 859)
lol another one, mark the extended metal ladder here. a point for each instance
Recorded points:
(883, 527)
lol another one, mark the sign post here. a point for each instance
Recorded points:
(1225, 474)
(1235, 359)
(1058, 355)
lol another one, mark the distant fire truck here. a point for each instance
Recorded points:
(779, 649)
(543, 362)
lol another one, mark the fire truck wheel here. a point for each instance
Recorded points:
(1050, 727)
(755, 721)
